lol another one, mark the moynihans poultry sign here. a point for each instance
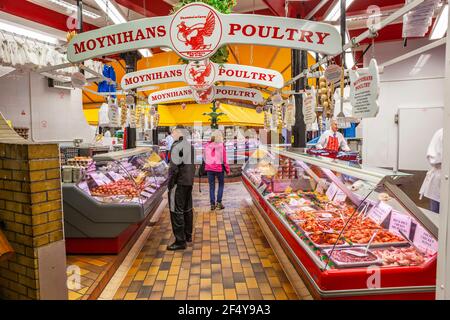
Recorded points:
(206, 96)
(197, 31)
(203, 74)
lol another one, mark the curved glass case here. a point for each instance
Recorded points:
(124, 177)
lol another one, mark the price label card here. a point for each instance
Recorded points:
(98, 180)
(104, 178)
(262, 188)
(150, 190)
(84, 186)
(115, 176)
(146, 194)
(380, 212)
(400, 222)
(340, 196)
(425, 241)
(331, 192)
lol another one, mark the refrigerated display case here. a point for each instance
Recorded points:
(348, 229)
(116, 195)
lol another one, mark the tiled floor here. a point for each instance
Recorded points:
(90, 269)
(229, 258)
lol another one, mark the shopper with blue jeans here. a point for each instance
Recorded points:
(216, 165)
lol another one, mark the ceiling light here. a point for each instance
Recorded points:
(441, 24)
(146, 53)
(166, 49)
(148, 88)
(335, 12)
(73, 7)
(27, 33)
(423, 59)
(110, 9)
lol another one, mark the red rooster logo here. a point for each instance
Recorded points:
(194, 36)
(204, 95)
(199, 74)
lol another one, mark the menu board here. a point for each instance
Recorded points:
(400, 222)
(380, 212)
(424, 240)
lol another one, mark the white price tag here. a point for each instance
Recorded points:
(331, 192)
(115, 176)
(150, 190)
(98, 180)
(424, 240)
(84, 186)
(340, 196)
(104, 178)
(146, 194)
(380, 212)
(262, 188)
(400, 222)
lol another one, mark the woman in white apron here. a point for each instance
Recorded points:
(431, 187)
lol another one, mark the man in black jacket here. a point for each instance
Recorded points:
(181, 180)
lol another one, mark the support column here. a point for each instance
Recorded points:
(443, 277)
(131, 66)
(31, 215)
(299, 63)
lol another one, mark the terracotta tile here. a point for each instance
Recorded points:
(169, 292)
(230, 294)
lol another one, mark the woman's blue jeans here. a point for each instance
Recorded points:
(212, 186)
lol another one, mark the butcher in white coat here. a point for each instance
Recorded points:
(332, 139)
(431, 187)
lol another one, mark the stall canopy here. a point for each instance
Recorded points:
(175, 115)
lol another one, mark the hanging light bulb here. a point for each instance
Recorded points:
(183, 106)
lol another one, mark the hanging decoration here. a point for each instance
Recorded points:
(214, 115)
(289, 114)
(123, 112)
(197, 31)
(309, 112)
(324, 100)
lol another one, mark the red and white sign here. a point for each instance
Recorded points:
(202, 75)
(196, 31)
(364, 91)
(206, 96)
(333, 73)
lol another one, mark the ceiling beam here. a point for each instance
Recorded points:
(152, 8)
(33, 12)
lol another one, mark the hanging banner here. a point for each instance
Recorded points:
(206, 96)
(364, 91)
(202, 75)
(197, 31)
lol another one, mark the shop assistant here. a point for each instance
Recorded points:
(333, 140)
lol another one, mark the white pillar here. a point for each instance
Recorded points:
(443, 269)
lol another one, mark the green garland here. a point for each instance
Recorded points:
(223, 6)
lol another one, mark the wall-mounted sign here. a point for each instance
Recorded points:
(197, 31)
(203, 74)
(364, 91)
(206, 96)
(333, 73)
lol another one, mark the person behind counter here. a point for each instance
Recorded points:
(431, 187)
(332, 139)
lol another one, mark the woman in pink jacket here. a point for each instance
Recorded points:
(216, 165)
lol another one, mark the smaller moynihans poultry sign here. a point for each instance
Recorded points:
(197, 31)
(202, 75)
(207, 95)
(364, 91)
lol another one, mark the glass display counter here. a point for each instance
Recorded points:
(349, 229)
(116, 194)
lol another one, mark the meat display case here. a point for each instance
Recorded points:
(116, 196)
(349, 230)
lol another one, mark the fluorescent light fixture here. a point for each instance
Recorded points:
(441, 24)
(27, 33)
(111, 10)
(166, 49)
(73, 7)
(423, 59)
(146, 53)
(349, 60)
(148, 88)
(335, 12)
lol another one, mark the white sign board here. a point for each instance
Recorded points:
(197, 31)
(202, 75)
(424, 240)
(206, 96)
(400, 222)
(309, 100)
(380, 212)
(364, 91)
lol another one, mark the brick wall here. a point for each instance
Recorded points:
(31, 212)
